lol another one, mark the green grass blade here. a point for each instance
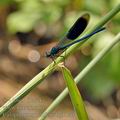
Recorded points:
(74, 94)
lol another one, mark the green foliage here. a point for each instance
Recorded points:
(98, 83)
(6, 2)
(31, 12)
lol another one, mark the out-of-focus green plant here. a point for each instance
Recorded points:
(6, 2)
(31, 12)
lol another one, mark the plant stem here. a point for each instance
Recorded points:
(100, 55)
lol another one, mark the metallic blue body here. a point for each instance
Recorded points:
(55, 50)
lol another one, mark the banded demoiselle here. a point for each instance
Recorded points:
(77, 28)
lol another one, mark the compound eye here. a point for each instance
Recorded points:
(54, 50)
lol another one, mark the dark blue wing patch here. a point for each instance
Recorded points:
(78, 27)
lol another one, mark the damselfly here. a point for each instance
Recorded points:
(77, 28)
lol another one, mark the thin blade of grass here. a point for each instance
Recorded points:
(74, 94)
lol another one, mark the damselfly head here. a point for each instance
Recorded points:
(52, 52)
